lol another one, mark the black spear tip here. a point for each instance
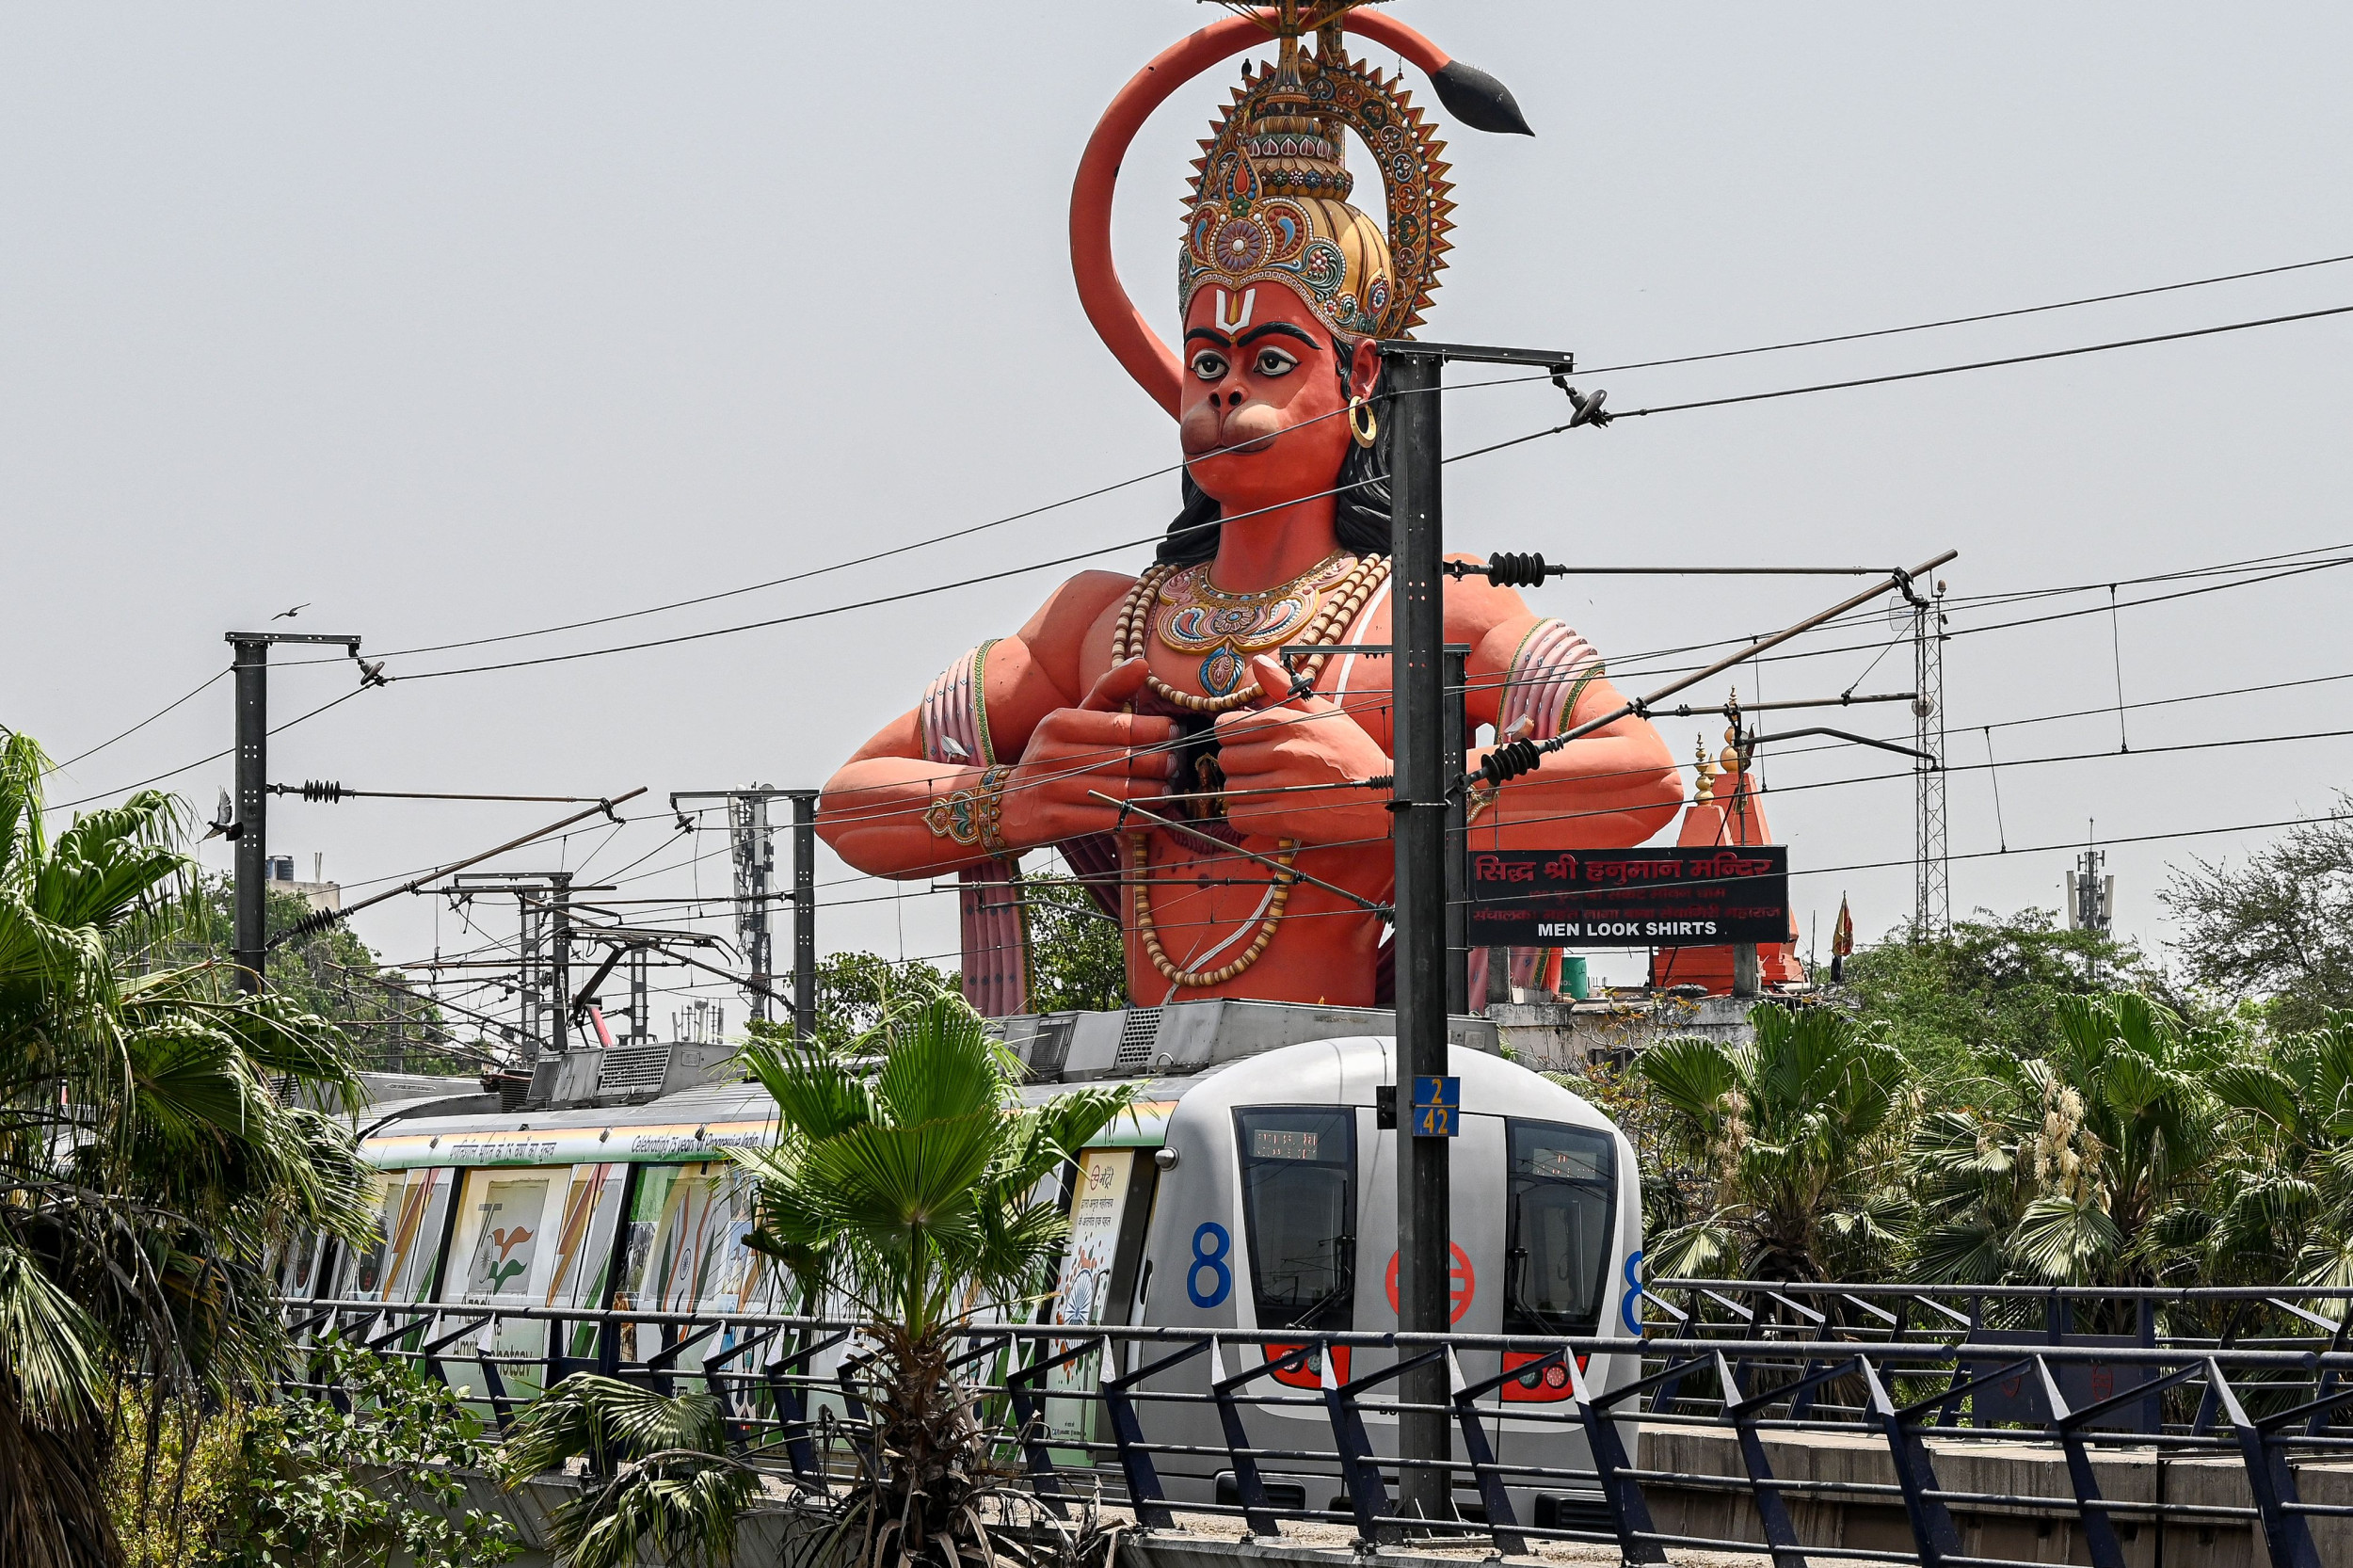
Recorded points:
(1479, 100)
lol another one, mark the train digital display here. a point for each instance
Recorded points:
(1269, 1142)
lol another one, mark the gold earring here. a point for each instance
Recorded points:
(1365, 432)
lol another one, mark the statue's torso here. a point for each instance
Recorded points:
(1207, 903)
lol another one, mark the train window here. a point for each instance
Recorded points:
(297, 1267)
(396, 1263)
(1298, 1210)
(1564, 1197)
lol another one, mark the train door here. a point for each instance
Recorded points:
(1109, 1203)
(684, 1252)
(1474, 1256)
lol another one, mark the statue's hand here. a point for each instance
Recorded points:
(1283, 742)
(1076, 753)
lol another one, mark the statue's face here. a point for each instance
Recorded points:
(1263, 397)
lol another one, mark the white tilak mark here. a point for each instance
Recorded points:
(1249, 304)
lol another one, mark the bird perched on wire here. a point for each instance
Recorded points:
(289, 614)
(224, 824)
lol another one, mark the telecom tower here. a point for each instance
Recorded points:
(755, 858)
(2091, 893)
(1933, 900)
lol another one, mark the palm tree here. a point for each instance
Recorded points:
(2281, 1207)
(914, 1194)
(146, 1164)
(2084, 1166)
(675, 1488)
(1790, 1143)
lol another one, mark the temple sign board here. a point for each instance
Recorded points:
(1678, 897)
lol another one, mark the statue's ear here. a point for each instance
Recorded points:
(1363, 368)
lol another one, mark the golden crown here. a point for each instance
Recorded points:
(1271, 188)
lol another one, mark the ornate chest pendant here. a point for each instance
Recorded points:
(1223, 629)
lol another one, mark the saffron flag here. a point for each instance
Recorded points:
(1841, 942)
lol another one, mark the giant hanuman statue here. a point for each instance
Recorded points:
(1194, 693)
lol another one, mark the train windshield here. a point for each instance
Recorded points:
(1564, 1211)
(1299, 1207)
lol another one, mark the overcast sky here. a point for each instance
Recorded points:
(454, 321)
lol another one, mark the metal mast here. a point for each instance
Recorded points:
(249, 828)
(1932, 896)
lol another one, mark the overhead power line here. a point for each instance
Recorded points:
(1969, 320)
(60, 767)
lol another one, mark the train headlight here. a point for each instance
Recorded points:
(1165, 1158)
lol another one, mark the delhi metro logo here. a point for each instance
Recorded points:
(1462, 1285)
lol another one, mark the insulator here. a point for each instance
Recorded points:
(322, 789)
(1512, 569)
(1506, 762)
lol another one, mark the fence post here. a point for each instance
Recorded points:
(1629, 1510)
(1933, 1529)
(2286, 1537)
(1764, 1491)
(1144, 1479)
(1502, 1523)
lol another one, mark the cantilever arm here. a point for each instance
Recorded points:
(1843, 735)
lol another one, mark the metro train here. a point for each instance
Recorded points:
(1251, 1192)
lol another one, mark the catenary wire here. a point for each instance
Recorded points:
(209, 680)
(1965, 321)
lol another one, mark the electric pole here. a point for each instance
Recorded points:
(249, 829)
(804, 913)
(1420, 814)
(754, 858)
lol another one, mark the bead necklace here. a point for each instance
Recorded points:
(1231, 624)
(1268, 615)
(1140, 857)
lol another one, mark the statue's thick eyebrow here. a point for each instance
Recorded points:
(1220, 339)
(1273, 328)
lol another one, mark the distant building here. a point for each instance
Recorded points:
(318, 892)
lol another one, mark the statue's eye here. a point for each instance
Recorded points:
(1209, 366)
(1275, 361)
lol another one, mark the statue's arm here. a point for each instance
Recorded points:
(1533, 675)
(904, 806)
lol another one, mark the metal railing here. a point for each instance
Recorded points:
(2243, 1386)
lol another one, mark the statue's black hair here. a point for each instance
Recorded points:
(1361, 507)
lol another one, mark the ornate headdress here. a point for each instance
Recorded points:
(1269, 195)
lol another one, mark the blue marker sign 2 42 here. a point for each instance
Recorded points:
(1437, 1107)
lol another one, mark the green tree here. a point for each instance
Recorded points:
(2083, 1165)
(2281, 1205)
(1078, 958)
(1789, 1144)
(859, 992)
(2278, 928)
(146, 1165)
(1990, 984)
(376, 1485)
(675, 1488)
